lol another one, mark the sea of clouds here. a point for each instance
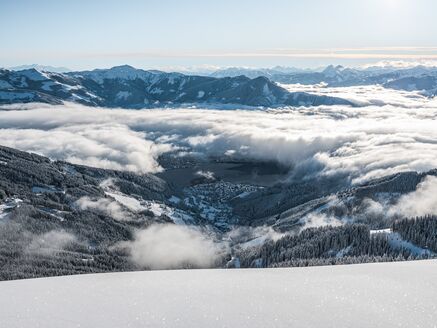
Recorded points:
(394, 132)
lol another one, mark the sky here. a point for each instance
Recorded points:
(197, 33)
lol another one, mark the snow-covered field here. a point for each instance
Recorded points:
(402, 294)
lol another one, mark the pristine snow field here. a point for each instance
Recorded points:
(400, 294)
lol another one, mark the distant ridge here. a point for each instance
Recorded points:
(417, 78)
(127, 87)
(41, 68)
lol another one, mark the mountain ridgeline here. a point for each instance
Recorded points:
(419, 78)
(127, 87)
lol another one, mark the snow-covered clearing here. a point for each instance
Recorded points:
(397, 242)
(402, 294)
(8, 205)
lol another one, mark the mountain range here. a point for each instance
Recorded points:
(38, 67)
(419, 78)
(128, 87)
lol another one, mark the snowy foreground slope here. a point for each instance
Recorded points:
(402, 294)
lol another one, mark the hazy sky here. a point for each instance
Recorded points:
(170, 33)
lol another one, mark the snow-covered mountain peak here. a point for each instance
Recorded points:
(128, 87)
(34, 74)
(332, 70)
(123, 72)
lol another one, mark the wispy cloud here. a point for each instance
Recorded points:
(371, 53)
(105, 206)
(50, 242)
(166, 246)
(418, 203)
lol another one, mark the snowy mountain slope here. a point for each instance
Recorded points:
(31, 85)
(41, 68)
(58, 218)
(425, 83)
(385, 295)
(65, 212)
(284, 206)
(127, 87)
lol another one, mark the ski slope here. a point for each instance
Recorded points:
(400, 294)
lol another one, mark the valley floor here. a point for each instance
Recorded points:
(401, 294)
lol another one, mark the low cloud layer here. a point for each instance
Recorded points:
(50, 242)
(395, 132)
(316, 220)
(386, 206)
(246, 236)
(421, 202)
(168, 246)
(105, 206)
(402, 63)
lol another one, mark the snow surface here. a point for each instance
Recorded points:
(123, 72)
(156, 91)
(402, 294)
(381, 231)
(47, 85)
(123, 95)
(396, 241)
(131, 203)
(8, 205)
(157, 208)
(175, 200)
(48, 190)
(34, 75)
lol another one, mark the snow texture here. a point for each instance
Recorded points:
(8, 205)
(123, 95)
(402, 294)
